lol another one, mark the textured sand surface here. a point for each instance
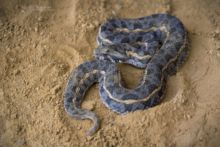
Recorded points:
(42, 41)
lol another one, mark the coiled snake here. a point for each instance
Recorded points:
(157, 43)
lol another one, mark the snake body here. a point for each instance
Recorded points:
(156, 43)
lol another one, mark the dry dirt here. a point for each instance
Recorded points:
(41, 41)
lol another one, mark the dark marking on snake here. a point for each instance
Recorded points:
(156, 43)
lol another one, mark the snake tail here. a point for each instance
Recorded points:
(79, 81)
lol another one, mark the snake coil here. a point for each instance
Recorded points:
(156, 43)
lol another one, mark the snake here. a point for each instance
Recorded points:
(157, 43)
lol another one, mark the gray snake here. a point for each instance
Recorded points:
(156, 43)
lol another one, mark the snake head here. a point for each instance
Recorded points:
(114, 53)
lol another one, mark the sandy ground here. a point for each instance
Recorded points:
(41, 41)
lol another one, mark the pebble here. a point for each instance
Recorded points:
(91, 26)
(55, 89)
(36, 29)
(79, 127)
(216, 35)
(127, 127)
(19, 129)
(37, 88)
(57, 102)
(42, 33)
(63, 68)
(34, 45)
(8, 49)
(183, 101)
(210, 52)
(42, 52)
(14, 116)
(188, 116)
(40, 19)
(143, 119)
(164, 124)
(114, 13)
(16, 72)
(1, 94)
(90, 138)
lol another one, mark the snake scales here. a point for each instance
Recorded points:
(157, 43)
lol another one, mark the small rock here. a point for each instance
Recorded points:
(188, 116)
(63, 68)
(90, 138)
(42, 51)
(8, 50)
(218, 52)
(14, 116)
(34, 45)
(57, 102)
(36, 29)
(57, 132)
(22, 32)
(55, 89)
(19, 129)
(216, 35)
(114, 13)
(210, 52)
(1, 94)
(183, 101)
(91, 26)
(41, 33)
(16, 72)
(164, 124)
(40, 19)
(79, 127)
(127, 127)
(83, 25)
(143, 119)
(37, 88)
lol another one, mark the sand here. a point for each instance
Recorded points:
(42, 41)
